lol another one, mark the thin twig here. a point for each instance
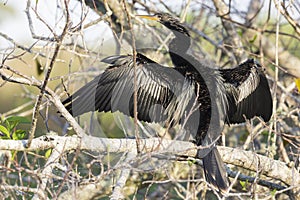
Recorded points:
(47, 76)
(135, 111)
(282, 9)
(272, 146)
(50, 94)
(124, 175)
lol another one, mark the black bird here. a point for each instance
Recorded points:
(192, 94)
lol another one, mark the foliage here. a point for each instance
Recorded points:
(9, 130)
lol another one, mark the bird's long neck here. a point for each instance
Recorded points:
(178, 48)
(179, 44)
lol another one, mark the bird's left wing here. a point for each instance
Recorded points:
(249, 88)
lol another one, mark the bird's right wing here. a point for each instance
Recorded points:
(160, 90)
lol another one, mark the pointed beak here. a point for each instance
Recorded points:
(150, 17)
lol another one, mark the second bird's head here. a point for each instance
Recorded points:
(168, 21)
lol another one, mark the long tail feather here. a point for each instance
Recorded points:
(214, 170)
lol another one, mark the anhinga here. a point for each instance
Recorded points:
(191, 93)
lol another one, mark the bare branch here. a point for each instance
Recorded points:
(47, 76)
(53, 97)
(121, 180)
(249, 160)
(283, 10)
(223, 11)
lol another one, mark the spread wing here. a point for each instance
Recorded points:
(160, 90)
(249, 88)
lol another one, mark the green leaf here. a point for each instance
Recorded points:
(4, 131)
(191, 162)
(2, 119)
(48, 153)
(18, 134)
(253, 39)
(273, 192)
(244, 185)
(19, 119)
(14, 153)
(13, 121)
(240, 32)
(8, 125)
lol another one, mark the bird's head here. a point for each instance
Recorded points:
(168, 21)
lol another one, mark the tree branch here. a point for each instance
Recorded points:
(25, 80)
(249, 160)
(283, 10)
(223, 11)
(58, 44)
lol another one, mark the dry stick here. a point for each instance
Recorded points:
(103, 17)
(288, 17)
(31, 25)
(42, 91)
(124, 175)
(46, 173)
(250, 179)
(135, 111)
(29, 50)
(67, 173)
(274, 123)
(125, 171)
(223, 12)
(262, 57)
(17, 109)
(185, 10)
